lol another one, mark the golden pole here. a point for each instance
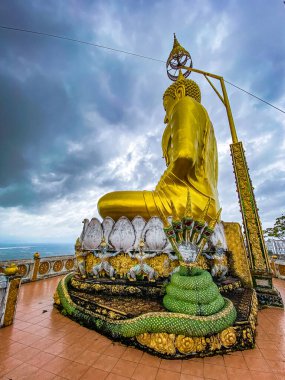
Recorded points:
(229, 112)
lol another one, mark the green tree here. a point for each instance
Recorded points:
(278, 230)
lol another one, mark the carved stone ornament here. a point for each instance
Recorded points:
(122, 236)
(107, 225)
(154, 236)
(44, 267)
(69, 264)
(57, 266)
(22, 270)
(139, 224)
(93, 235)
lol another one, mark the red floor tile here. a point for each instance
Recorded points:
(124, 368)
(87, 357)
(74, 371)
(217, 372)
(257, 364)
(193, 368)
(164, 374)
(171, 365)
(24, 371)
(184, 376)
(57, 364)
(113, 376)
(238, 373)
(150, 360)
(115, 350)
(143, 372)
(41, 359)
(235, 361)
(95, 374)
(105, 362)
(257, 375)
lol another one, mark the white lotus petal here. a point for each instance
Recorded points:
(139, 224)
(122, 236)
(154, 236)
(93, 235)
(107, 225)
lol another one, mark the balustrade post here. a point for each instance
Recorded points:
(9, 287)
(37, 259)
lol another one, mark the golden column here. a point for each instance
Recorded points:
(12, 283)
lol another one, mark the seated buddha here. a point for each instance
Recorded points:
(190, 152)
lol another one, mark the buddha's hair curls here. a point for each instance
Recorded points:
(191, 89)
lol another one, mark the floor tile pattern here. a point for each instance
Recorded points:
(42, 344)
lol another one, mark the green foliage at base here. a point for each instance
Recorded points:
(278, 230)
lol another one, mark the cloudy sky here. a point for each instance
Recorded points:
(78, 121)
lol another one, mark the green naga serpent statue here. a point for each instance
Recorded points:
(192, 290)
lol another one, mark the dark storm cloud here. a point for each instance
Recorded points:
(45, 87)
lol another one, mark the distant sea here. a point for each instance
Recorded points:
(26, 251)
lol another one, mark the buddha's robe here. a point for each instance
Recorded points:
(190, 152)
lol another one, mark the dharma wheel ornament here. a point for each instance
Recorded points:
(178, 58)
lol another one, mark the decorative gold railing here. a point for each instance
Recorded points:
(13, 272)
(39, 267)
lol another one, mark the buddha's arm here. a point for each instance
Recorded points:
(187, 126)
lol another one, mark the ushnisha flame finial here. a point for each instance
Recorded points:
(180, 76)
(178, 58)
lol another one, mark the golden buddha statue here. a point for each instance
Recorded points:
(190, 152)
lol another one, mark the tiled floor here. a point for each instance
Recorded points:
(44, 345)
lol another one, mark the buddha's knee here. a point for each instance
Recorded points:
(123, 203)
(105, 203)
(117, 203)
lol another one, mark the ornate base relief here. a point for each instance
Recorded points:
(170, 343)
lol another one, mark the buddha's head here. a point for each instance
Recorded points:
(176, 91)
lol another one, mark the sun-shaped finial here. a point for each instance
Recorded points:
(178, 58)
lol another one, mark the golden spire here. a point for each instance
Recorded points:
(188, 209)
(213, 222)
(205, 212)
(174, 213)
(178, 57)
(177, 48)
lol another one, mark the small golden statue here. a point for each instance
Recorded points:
(190, 153)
